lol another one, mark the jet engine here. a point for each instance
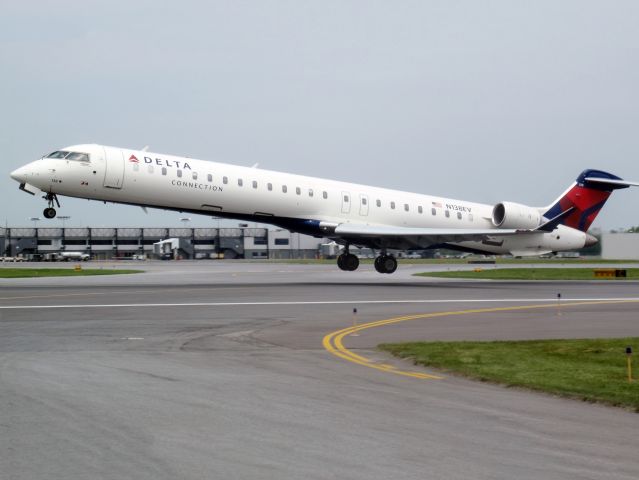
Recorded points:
(515, 215)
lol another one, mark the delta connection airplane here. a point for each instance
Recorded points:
(348, 213)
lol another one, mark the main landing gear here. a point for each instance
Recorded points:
(347, 261)
(50, 212)
(385, 264)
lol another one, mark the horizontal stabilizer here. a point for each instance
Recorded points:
(611, 182)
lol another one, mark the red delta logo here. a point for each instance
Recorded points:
(134, 159)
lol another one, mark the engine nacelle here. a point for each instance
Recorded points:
(515, 215)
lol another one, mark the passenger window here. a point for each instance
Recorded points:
(179, 173)
(239, 182)
(310, 192)
(364, 202)
(447, 213)
(433, 211)
(459, 215)
(209, 177)
(378, 203)
(325, 195)
(345, 198)
(420, 209)
(284, 189)
(269, 186)
(163, 170)
(393, 205)
(254, 184)
(298, 190)
(470, 217)
(406, 207)
(225, 180)
(194, 175)
(150, 168)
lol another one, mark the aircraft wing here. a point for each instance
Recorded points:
(408, 237)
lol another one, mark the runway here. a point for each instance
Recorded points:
(218, 369)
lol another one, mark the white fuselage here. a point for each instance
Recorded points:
(296, 202)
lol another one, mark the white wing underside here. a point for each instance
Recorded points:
(403, 237)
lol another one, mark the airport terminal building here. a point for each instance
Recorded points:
(206, 243)
(133, 243)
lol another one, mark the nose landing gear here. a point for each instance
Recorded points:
(50, 212)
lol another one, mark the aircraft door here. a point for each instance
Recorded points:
(363, 205)
(114, 171)
(346, 202)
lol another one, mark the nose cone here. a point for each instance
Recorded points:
(20, 174)
(590, 240)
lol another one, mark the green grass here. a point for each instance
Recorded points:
(592, 370)
(58, 272)
(530, 274)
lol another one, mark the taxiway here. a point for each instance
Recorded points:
(217, 369)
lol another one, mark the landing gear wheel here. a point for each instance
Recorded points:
(49, 212)
(52, 199)
(385, 264)
(377, 262)
(347, 262)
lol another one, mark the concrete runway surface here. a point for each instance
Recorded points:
(217, 370)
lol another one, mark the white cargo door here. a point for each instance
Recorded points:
(346, 202)
(363, 205)
(114, 171)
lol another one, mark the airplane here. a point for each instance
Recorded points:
(348, 213)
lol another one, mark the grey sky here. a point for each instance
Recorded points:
(486, 101)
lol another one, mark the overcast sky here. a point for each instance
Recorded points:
(485, 101)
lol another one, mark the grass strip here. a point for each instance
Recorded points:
(531, 274)
(592, 370)
(59, 272)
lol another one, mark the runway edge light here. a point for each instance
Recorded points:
(355, 334)
(559, 304)
(629, 362)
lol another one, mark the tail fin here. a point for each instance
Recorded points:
(580, 204)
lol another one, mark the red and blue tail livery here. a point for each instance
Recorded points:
(579, 205)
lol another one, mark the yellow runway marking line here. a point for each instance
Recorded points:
(334, 341)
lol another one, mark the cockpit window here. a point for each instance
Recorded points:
(77, 156)
(58, 154)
